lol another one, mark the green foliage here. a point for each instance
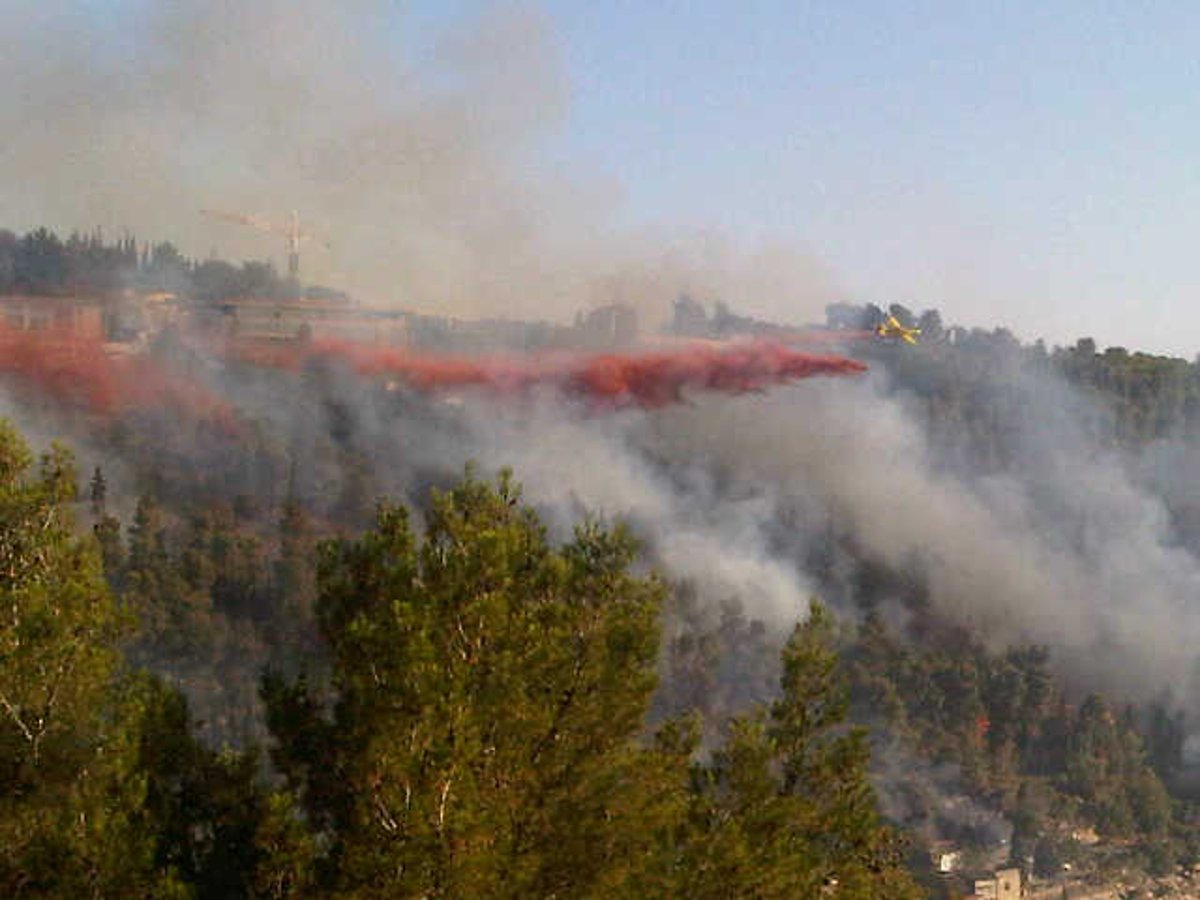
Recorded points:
(785, 808)
(42, 263)
(205, 807)
(489, 693)
(104, 789)
(200, 592)
(484, 731)
(1016, 741)
(474, 715)
(714, 664)
(293, 590)
(71, 792)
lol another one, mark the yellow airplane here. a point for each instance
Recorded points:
(891, 328)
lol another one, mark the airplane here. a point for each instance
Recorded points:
(890, 327)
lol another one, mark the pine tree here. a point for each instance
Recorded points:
(98, 494)
(293, 583)
(107, 530)
(785, 808)
(490, 689)
(70, 790)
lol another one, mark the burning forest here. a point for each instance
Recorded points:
(219, 463)
(490, 570)
(648, 379)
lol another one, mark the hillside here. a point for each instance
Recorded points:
(283, 624)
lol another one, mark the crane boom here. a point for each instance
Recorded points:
(290, 230)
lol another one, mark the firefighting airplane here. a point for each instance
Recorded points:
(891, 328)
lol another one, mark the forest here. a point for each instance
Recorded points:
(40, 262)
(373, 643)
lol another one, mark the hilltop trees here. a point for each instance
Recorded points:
(476, 723)
(785, 808)
(104, 790)
(70, 790)
(489, 692)
(42, 263)
(485, 731)
(1014, 739)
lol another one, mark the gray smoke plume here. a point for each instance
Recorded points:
(1069, 544)
(1065, 545)
(422, 153)
(1062, 548)
(425, 161)
(931, 801)
(694, 531)
(735, 495)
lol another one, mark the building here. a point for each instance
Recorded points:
(256, 318)
(1004, 884)
(614, 325)
(81, 318)
(946, 857)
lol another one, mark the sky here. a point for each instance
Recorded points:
(1028, 165)
(1015, 164)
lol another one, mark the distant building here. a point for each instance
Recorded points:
(254, 318)
(614, 325)
(75, 317)
(690, 319)
(1004, 884)
(945, 857)
(136, 317)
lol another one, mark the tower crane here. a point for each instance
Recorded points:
(291, 231)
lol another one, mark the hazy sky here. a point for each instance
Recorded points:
(1019, 163)
(1033, 165)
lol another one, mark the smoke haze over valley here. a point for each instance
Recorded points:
(982, 549)
(421, 160)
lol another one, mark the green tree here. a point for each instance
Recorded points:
(490, 690)
(786, 808)
(71, 821)
(206, 808)
(40, 266)
(293, 583)
(106, 528)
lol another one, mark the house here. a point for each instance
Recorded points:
(1004, 884)
(255, 318)
(82, 318)
(945, 857)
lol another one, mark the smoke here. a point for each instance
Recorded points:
(1063, 547)
(348, 441)
(572, 463)
(692, 530)
(423, 152)
(645, 379)
(427, 163)
(77, 374)
(931, 800)
(738, 495)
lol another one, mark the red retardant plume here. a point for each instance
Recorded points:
(77, 373)
(647, 379)
(658, 379)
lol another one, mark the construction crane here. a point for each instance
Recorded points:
(292, 232)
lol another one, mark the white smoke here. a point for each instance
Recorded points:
(571, 463)
(1063, 548)
(422, 153)
(738, 495)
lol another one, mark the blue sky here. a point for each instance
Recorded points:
(1031, 165)
(1026, 164)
